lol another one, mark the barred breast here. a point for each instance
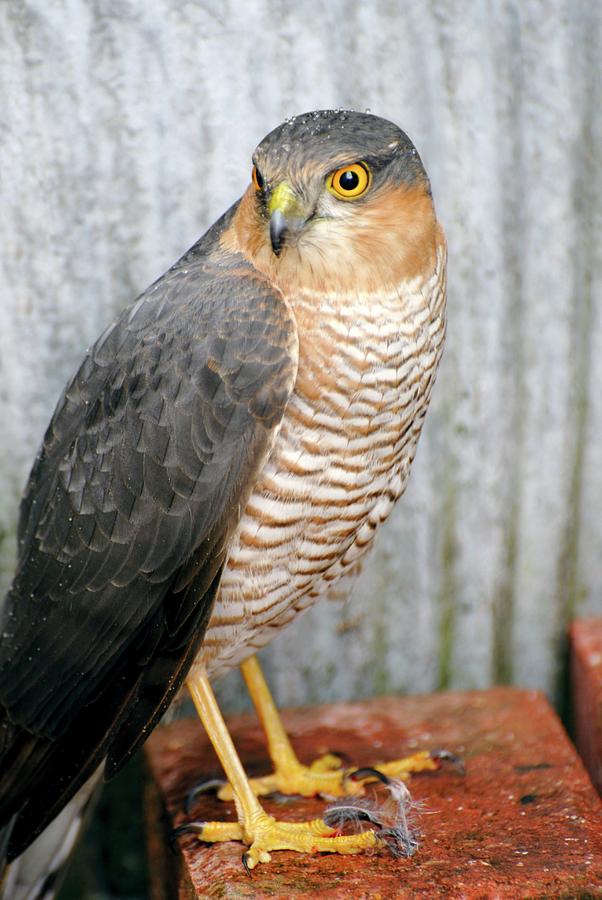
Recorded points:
(341, 459)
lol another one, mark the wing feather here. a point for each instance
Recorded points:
(149, 458)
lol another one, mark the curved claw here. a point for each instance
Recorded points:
(188, 828)
(446, 756)
(245, 862)
(394, 818)
(369, 772)
(211, 784)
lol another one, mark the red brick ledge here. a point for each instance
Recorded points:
(523, 822)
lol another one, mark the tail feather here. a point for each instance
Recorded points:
(38, 873)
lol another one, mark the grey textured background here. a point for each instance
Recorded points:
(126, 128)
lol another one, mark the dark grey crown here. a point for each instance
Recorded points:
(333, 137)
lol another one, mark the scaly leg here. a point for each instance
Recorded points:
(325, 776)
(255, 827)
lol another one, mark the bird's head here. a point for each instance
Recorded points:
(337, 195)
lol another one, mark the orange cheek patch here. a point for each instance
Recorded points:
(247, 232)
(385, 240)
(399, 224)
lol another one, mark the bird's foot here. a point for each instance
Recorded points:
(423, 761)
(376, 826)
(325, 777)
(266, 834)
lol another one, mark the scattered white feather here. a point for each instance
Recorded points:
(394, 818)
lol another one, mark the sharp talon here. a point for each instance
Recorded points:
(189, 828)
(202, 788)
(245, 862)
(446, 756)
(369, 773)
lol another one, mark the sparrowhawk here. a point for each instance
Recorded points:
(221, 460)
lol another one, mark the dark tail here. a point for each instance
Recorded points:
(39, 872)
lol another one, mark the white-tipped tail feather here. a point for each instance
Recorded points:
(38, 872)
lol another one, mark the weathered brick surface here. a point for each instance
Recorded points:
(586, 686)
(523, 822)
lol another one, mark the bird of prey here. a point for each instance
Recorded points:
(221, 460)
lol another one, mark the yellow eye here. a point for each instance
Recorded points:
(350, 181)
(257, 179)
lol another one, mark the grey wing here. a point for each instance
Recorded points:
(144, 471)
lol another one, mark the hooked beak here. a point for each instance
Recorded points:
(278, 228)
(285, 215)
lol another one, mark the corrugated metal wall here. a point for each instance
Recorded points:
(127, 128)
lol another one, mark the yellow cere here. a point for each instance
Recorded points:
(284, 198)
(349, 182)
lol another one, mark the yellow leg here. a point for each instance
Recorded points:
(324, 776)
(255, 827)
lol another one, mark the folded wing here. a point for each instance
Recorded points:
(140, 482)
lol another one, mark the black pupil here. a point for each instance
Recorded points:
(259, 179)
(349, 180)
